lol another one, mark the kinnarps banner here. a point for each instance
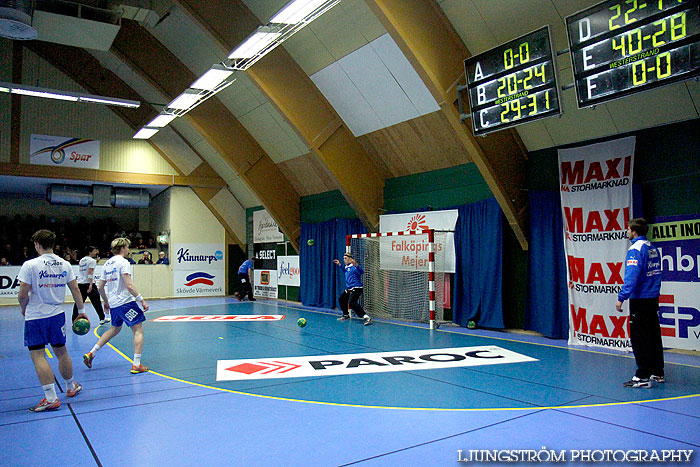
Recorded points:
(64, 151)
(198, 269)
(596, 200)
(678, 241)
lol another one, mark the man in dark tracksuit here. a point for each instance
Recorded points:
(245, 278)
(353, 289)
(642, 287)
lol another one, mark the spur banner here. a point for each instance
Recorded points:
(596, 201)
(65, 151)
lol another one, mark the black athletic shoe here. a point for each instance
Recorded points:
(657, 379)
(367, 320)
(638, 383)
(344, 318)
(253, 300)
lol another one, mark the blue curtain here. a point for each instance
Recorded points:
(478, 283)
(321, 280)
(547, 300)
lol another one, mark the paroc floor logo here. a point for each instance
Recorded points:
(199, 278)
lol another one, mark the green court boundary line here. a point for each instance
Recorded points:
(434, 409)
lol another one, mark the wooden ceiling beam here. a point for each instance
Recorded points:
(155, 63)
(428, 40)
(302, 105)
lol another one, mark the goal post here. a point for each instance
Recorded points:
(404, 274)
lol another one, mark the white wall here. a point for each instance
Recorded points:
(191, 221)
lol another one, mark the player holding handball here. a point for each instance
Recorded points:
(353, 289)
(120, 295)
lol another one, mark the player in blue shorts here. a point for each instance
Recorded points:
(120, 295)
(42, 291)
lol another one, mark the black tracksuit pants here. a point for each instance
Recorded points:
(352, 296)
(94, 296)
(645, 334)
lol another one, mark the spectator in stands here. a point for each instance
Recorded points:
(24, 255)
(142, 244)
(3, 262)
(129, 258)
(151, 243)
(162, 259)
(146, 259)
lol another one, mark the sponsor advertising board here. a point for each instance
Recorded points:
(64, 151)
(198, 269)
(596, 200)
(352, 364)
(411, 253)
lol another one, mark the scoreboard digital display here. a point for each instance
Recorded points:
(620, 47)
(512, 84)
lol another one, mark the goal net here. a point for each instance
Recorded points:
(404, 274)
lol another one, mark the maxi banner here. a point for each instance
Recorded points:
(678, 241)
(596, 200)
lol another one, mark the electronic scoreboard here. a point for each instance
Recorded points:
(514, 83)
(620, 47)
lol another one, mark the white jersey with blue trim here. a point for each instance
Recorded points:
(48, 276)
(84, 265)
(115, 288)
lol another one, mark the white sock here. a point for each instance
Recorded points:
(95, 349)
(50, 392)
(137, 359)
(69, 383)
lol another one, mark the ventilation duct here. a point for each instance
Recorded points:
(69, 195)
(98, 196)
(16, 20)
(131, 198)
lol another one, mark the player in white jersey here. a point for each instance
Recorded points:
(42, 291)
(121, 297)
(86, 279)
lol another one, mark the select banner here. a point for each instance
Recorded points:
(64, 151)
(288, 271)
(678, 241)
(411, 253)
(596, 200)
(352, 364)
(265, 283)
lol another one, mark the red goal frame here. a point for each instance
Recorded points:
(431, 260)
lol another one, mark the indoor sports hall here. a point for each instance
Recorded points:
(349, 232)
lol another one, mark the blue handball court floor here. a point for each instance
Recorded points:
(241, 384)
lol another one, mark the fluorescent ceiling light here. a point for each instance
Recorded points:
(254, 44)
(212, 78)
(65, 95)
(297, 10)
(161, 120)
(110, 101)
(47, 94)
(145, 133)
(184, 101)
